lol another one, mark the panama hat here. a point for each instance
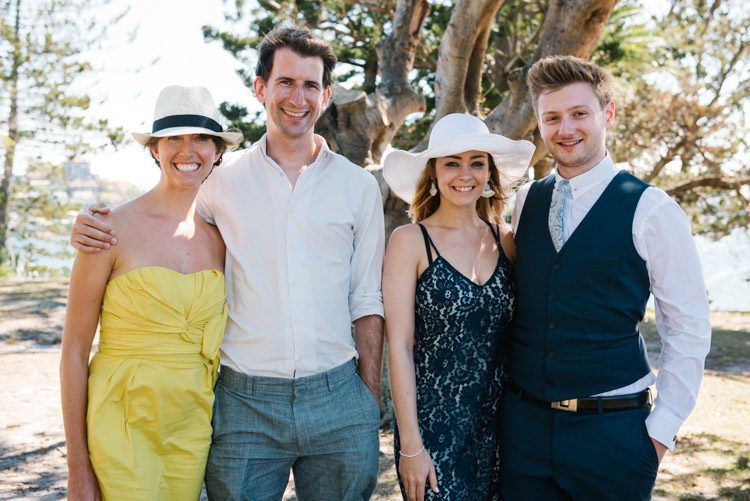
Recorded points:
(453, 134)
(186, 110)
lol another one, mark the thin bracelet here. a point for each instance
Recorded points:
(411, 455)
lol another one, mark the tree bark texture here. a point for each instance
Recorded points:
(461, 56)
(13, 135)
(361, 126)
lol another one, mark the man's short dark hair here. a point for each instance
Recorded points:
(300, 40)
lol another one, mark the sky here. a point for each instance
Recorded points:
(169, 30)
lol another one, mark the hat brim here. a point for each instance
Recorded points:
(402, 170)
(231, 138)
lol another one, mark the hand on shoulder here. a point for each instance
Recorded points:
(91, 231)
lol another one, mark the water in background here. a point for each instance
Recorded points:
(726, 269)
(726, 266)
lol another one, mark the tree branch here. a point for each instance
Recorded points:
(721, 182)
(469, 20)
(473, 83)
(360, 126)
(671, 154)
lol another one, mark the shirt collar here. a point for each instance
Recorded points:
(324, 152)
(580, 184)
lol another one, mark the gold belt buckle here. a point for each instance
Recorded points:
(566, 405)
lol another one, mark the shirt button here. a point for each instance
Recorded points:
(551, 354)
(549, 384)
(556, 267)
(553, 296)
(291, 246)
(551, 325)
(294, 284)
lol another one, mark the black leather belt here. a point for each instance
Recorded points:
(589, 404)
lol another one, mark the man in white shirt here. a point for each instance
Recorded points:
(304, 234)
(593, 243)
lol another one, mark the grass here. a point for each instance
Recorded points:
(712, 457)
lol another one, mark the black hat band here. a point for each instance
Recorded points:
(185, 121)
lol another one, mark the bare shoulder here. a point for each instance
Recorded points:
(133, 233)
(508, 243)
(505, 232)
(124, 217)
(126, 212)
(404, 237)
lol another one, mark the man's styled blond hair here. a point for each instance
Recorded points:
(553, 72)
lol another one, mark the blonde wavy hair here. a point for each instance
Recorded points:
(490, 209)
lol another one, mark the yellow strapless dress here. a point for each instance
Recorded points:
(151, 382)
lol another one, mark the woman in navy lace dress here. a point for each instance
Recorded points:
(449, 298)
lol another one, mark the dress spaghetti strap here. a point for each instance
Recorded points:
(495, 229)
(428, 243)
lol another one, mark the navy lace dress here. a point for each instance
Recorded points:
(461, 330)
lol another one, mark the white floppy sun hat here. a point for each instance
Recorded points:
(453, 134)
(186, 110)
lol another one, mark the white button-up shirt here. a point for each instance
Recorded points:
(302, 264)
(661, 234)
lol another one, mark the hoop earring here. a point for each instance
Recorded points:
(433, 190)
(488, 192)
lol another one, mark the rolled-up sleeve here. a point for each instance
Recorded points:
(365, 296)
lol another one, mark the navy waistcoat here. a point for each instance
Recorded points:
(576, 327)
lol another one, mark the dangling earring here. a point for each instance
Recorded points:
(488, 192)
(433, 190)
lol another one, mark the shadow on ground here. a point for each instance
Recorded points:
(33, 474)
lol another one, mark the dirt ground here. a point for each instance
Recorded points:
(711, 461)
(32, 442)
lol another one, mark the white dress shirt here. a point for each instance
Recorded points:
(302, 264)
(661, 234)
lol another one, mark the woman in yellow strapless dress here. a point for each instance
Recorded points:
(138, 417)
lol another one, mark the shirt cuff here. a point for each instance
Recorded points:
(663, 427)
(363, 305)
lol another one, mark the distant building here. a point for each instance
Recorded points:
(77, 169)
(83, 192)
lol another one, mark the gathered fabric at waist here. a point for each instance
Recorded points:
(159, 345)
(165, 357)
(176, 349)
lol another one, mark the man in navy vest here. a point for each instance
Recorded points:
(593, 243)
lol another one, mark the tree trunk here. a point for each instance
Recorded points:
(570, 27)
(473, 84)
(13, 134)
(360, 126)
(463, 50)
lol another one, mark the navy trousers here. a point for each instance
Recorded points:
(552, 454)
